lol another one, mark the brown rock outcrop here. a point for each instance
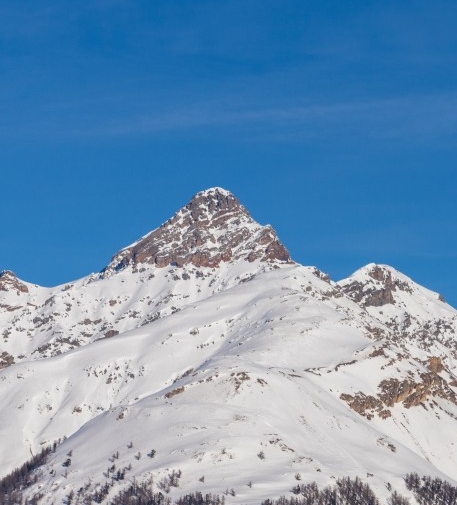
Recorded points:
(212, 228)
(365, 405)
(408, 392)
(8, 282)
(6, 360)
(435, 365)
(379, 293)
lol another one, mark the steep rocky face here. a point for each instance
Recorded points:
(9, 282)
(212, 228)
(378, 289)
(411, 392)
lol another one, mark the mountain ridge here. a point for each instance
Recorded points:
(235, 369)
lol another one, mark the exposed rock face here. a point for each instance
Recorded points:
(366, 405)
(378, 293)
(6, 360)
(409, 392)
(411, 313)
(435, 365)
(9, 282)
(212, 228)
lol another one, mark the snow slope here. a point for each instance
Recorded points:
(235, 365)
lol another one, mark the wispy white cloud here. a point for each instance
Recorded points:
(410, 119)
(418, 119)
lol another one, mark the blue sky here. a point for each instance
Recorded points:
(334, 121)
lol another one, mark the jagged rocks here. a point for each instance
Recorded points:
(111, 333)
(435, 365)
(6, 360)
(377, 293)
(366, 405)
(9, 282)
(408, 392)
(321, 275)
(212, 228)
(412, 393)
(175, 392)
(368, 297)
(385, 276)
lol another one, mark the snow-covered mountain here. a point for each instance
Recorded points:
(203, 354)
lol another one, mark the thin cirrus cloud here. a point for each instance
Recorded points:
(412, 119)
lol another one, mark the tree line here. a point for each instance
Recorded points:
(346, 491)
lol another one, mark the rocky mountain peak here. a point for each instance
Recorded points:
(9, 282)
(208, 208)
(412, 313)
(374, 285)
(379, 272)
(212, 228)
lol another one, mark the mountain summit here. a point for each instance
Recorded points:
(212, 228)
(204, 360)
(9, 281)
